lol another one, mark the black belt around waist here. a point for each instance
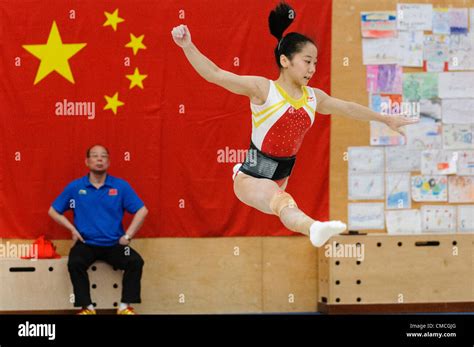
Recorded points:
(260, 165)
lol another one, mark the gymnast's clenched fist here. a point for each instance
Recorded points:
(181, 35)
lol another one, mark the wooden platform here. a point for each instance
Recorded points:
(45, 285)
(412, 273)
(221, 275)
(271, 275)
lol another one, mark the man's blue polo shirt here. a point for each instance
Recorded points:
(98, 213)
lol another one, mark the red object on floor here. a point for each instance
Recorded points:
(44, 250)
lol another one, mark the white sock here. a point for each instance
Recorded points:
(123, 306)
(91, 307)
(321, 232)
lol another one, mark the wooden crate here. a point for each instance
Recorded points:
(44, 284)
(397, 269)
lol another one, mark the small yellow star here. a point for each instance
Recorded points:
(136, 43)
(113, 19)
(136, 79)
(113, 103)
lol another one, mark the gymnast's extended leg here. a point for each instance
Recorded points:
(266, 196)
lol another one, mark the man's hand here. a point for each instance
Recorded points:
(123, 241)
(394, 122)
(76, 236)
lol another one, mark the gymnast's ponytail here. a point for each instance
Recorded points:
(279, 20)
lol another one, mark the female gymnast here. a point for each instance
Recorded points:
(282, 112)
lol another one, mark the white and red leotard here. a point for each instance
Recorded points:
(279, 125)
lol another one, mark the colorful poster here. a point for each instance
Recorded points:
(380, 51)
(465, 218)
(386, 103)
(402, 159)
(458, 136)
(438, 162)
(458, 18)
(366, 186)
(456, 85)
(429, 188)
(441, 21)
(379, 24)
(403, 222)
(461, 189)
(382, 135)
(411, 48)
(461, 52)
(366, 160)
(366, 216)
(458, 111)
(414, 16)
(435, 52)
(424, 135)
(397, 190)
(438, 218)
(417, 86)
(385, 79)
(465, 163)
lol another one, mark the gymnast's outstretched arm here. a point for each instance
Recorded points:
(251, 86)
(329, 105)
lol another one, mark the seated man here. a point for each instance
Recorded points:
(98, 201)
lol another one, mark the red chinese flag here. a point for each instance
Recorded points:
(80, 73)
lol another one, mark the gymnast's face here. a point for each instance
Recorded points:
(98, 160)
(303, 65)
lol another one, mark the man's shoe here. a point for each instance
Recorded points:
(86, 311)
(129, 310)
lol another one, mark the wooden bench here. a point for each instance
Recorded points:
(44, 284)
(409, 273)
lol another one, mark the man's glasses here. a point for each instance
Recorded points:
(95, 156)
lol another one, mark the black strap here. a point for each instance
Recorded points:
(260, 165)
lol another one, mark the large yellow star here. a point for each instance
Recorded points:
(136, 43)
(113, 103)
(136, 79)
(54, 55)
(113, 19)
